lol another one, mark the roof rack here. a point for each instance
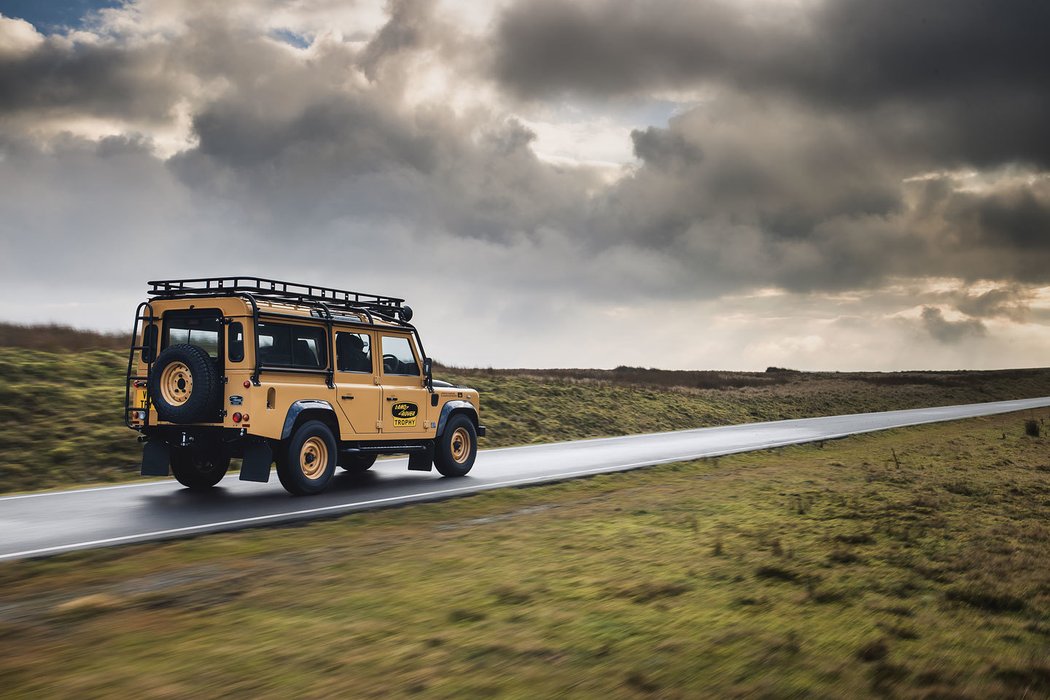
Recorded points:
(275, 290)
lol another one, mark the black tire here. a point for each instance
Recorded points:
(306, 462)
(198, 469)
(457, 448)
(356, 464)
(184, 385)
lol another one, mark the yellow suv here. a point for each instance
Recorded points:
(304, 376)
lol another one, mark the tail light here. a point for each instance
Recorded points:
(236, 417)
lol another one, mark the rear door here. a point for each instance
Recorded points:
(358, 392)
(200, 327)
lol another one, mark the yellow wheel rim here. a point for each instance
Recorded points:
(313, 458)
(460, 445)
(176, 383)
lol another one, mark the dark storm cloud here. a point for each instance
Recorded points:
(332, 154)
(962, 79)
(754, 193)
(1018, 217)
(1008, 302)
(612, 47)
(791, 197)
(301, 147)
(945, 331)
(75, 78)
(846, 51)
(1001, 232)
(664, 149)
(797, 165)
(405, 31)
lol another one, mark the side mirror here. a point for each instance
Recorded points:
(428, 372)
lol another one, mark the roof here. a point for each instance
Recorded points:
(322, 303)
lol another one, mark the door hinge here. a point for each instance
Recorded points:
(379, 425)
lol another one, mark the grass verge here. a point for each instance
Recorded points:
(909, 563)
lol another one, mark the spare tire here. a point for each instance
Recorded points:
(184, 385)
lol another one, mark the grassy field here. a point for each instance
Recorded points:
(910, 563)
(61, 423)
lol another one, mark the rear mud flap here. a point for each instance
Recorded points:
(156, 458)
(256, 463)
(422, 461)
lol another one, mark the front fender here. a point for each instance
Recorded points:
(451, 406)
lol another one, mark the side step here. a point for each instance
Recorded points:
(420, 456)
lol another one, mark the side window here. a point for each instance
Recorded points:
(398, 357)
(235, 342)
(285, 345)
(149, 340)
(353, 352)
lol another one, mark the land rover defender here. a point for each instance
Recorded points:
(306, 377)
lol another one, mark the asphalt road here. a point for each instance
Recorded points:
(52, 522)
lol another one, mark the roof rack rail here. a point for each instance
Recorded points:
(275, 290)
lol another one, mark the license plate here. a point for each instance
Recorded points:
(140, 398)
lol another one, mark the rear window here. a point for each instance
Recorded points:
(287, 345)
(202, 331)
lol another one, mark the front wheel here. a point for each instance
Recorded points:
(198, 469)
(457, 447)
(307, 461)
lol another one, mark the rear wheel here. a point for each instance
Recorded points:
(355, 464)
(457, 447)
(198, 469)
(307, 461)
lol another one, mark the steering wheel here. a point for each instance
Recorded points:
(390, 363)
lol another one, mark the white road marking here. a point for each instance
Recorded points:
(65, 492)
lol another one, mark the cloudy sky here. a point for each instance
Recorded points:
(819, 184)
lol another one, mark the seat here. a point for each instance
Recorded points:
(267, 355)
(351, 355)
(303, 355)
(343, 351)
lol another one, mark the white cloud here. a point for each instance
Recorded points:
(17, 37)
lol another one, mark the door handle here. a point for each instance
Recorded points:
(347, 396)
(391, 398)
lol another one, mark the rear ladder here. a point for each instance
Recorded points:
(134, 381)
